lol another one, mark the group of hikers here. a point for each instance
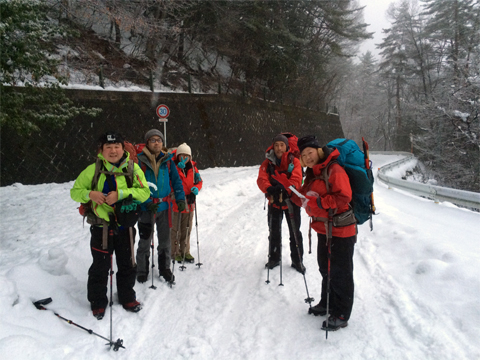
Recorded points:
(164, 185)
(280, 178)
(158, 191)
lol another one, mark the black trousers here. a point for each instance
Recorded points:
(275, 217)
(341, 274)
(99, 270)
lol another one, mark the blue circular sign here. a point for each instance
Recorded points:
(163, 111)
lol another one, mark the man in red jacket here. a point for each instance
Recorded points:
(279, 158)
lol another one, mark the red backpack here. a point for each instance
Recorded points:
(139, 148)
(132, 151)
(292, 143)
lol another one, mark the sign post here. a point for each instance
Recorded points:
(162, 112)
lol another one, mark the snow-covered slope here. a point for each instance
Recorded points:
(416, 296)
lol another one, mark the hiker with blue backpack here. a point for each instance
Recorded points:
(279, 157)
(326, 196)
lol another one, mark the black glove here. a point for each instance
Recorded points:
(180, 205)
(191, 198)
(153, 207)
(275, 190)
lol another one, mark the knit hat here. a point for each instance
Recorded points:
(110, 137)
(308, 141)
(280, 137)
(154, 132)
(184, 149)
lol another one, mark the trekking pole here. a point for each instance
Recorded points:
(198, 246)
(39, 305)
(183, 267)
(268, 272)
(329, 256)
(111, 282)
(152, 244)
(270, 215)
(179, 223)
(132, 247)
(309, 299)
(280, 200)
(281, 284)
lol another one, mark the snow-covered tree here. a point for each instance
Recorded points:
(27, 36)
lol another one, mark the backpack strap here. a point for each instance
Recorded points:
(100, 169)
(96, 175)
(129, 173)
(326, 175)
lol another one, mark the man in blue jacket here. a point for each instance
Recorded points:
(165, 184)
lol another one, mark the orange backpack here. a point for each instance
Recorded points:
(131, 150)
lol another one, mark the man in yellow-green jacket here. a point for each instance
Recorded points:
(104, 185)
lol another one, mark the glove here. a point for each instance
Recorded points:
(152, 207)
(194, 190)
(290, 167)
(180, 205)
(275, 189)
(197, 178)
(129, 204)
(282, 179)
(191, 198)
(181, 164)
(312, 198)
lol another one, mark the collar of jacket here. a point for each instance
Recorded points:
(111, 167)
(150, 160)
(270, 155)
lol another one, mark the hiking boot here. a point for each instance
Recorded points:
(167, 275)
(334, 323)
(272, 263)
(189, 258)
(178, 259)
(318, 310)
(299, 267)
(133, 306)
(98, 313)
(142, 278)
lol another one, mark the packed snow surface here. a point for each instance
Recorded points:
(417, 283)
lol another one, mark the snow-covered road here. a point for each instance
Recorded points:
(417, 283)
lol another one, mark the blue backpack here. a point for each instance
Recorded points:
(357, 165)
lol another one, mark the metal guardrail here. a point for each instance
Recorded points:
(468, 199)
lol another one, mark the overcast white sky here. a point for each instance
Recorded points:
(374, 13)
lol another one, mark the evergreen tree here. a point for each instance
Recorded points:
(26, 35)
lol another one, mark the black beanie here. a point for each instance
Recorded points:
(308, 141)
(111, 137)
(280, 137)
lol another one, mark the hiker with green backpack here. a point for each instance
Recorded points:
(110, 190)
(326, 195)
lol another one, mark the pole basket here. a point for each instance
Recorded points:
(309, 300)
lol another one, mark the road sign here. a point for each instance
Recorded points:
(163, 111)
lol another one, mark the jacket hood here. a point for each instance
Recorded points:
(145, 156)
(331, 155)
(270, 154)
